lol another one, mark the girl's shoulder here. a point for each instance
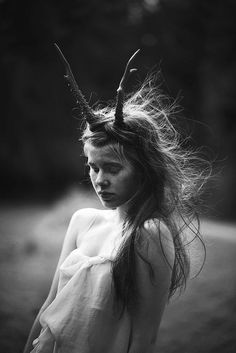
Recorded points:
(155, 229)
(84, 217)
(88, 223)
(88, 213)
(85, 213)
(156, 242)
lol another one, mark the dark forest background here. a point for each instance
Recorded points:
(42, 176)
(192, 42)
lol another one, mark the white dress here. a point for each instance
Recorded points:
(81, 319)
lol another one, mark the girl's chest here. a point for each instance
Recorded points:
(100, 240)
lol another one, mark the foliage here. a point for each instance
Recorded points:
(192, 40)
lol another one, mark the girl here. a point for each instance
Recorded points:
(119, 266)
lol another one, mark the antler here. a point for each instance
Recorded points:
(86, 110)
(120, 91)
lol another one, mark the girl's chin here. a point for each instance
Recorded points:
(108, 204)
(114, 205)
(112, 202)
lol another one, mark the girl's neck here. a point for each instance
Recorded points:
(119, 215)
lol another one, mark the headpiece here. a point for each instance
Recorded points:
(85, 109)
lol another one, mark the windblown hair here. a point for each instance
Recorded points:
(171, 183)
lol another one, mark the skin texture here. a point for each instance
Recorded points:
(112, 175)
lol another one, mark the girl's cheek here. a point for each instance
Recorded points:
(91, 175)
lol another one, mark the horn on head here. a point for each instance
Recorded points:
(119, 118)
(86, 110)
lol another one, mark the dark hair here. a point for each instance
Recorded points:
(170, 187)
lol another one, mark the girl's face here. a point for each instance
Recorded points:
(113, 178)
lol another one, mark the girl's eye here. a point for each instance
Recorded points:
(114, 170)
(110, 170)
(93, 168)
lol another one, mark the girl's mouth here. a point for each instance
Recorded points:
(106, 196)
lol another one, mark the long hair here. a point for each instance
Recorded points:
(170, 189)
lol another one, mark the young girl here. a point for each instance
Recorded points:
(119, 266)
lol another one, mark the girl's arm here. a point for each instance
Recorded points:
(78, 222)
(36, 328)
(153, 293)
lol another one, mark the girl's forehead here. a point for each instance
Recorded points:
(104, 154)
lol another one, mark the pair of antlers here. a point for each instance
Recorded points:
(86, 110)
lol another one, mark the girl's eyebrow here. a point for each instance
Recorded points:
(112, 163)
(105, 164)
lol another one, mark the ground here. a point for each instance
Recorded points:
(201, 320)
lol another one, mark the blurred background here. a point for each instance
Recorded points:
(43, 180)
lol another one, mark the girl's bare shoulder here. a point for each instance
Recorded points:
(155, 227)
(82, 218)
(157, 242)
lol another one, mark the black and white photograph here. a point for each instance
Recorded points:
(118, 176)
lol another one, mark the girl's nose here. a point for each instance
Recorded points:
(101, 180)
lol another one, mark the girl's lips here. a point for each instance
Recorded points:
(105, 195)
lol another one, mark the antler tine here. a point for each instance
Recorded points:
(120, 90)
(80, 100)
